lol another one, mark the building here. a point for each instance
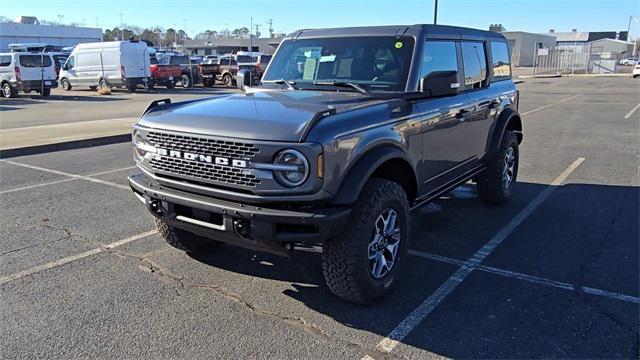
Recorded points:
(576, 40)
(524, 45)
(610, 48)
(57, 35)
(226, 46)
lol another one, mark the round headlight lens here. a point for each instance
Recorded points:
(142, 147)
(298, 165)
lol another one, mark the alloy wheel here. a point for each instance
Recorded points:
(383, 248)
(509, 168)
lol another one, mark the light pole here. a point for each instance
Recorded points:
(635, 42)
(121, 29)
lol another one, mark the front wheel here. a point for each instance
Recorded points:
(227, 80)
(66, 85)
(496, 184)
(362, 264)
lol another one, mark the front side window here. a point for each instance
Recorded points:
(438, 56)
(500, 67)
(375, 63)
(475, 65)
(35, 61)
(70, 63)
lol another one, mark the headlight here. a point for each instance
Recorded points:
(291, 168)
(141, 146)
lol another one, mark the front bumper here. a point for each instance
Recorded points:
(244, 225)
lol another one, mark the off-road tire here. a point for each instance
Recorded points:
(490, 183)
(8, 91)
(184, 240)
(66, 85)
(46, 92)
(345, 262)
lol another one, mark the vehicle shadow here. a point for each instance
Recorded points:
(474, 322)
(37, 99)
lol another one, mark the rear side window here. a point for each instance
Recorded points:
(153, 61)
(500, 68)
(264, 59)
(35, 61)
(438, 56)
(475, 65)
(5, 60)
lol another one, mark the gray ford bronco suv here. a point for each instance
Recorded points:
(349, 130)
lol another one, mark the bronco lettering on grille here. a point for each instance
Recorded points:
(202, 158)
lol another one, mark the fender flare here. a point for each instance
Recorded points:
(359, 174)
(506, 117)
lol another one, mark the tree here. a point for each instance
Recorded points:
(148, 35)
(4, 19)
(240, 33)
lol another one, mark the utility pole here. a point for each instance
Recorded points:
(435, 13)
(257, 30)
(635, 42)
(121, 29)
(97, 23)
(271, 28)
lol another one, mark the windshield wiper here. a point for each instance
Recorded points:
(290, 83)
(343, 84)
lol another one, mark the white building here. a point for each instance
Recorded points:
(57, 35)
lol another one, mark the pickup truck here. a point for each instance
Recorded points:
(350, 130)
(164, 74)
(189, 70)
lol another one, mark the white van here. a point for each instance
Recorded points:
(113, 64)
(27, 71)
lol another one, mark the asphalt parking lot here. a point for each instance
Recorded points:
(553, 274)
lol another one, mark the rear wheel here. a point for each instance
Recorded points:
(103, 84)
(227, 80)
(184, 240)
(7, 90)
(169, 85)
(132, 88)
(150, 85)
(66, 85)
(94, 88)
(186, 81)
(363, 263)
(46, 92)
(496, 184)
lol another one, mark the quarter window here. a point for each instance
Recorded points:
(438, 56)
(500, 55)
(475, 65)
(5, 60)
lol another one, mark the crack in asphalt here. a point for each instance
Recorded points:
(68, 235)
(165, 275)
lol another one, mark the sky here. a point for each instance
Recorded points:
(289, 15)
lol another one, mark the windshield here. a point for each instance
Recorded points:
(375, 63)
(175, 60)
(246, 59)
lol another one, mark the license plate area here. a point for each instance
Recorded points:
(47, 82)
(170, 78)
(199, 217)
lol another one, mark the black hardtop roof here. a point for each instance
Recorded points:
(431, 31)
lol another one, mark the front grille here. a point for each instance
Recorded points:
(200, 170)
(208, 172)
(222, 148)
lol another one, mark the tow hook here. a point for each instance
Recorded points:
(241, 227)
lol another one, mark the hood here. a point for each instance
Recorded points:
(269, 115)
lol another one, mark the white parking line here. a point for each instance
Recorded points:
(63, 180)
(423, 310)
(528, 278)
(76, 176)
(68, 259)
(632, 111)
(606, 84)
(550, 105)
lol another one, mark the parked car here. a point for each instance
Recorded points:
(255, 64)
(352, 129)
(27, 72)
(224, 69)
(107, 64)
(164, 74)
(636, 70)
(189, 70)
(629, 61)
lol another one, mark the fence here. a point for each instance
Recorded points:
(579, 59)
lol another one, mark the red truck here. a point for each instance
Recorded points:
(164, 74)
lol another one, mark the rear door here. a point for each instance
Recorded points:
(135, 59)
(36, 67)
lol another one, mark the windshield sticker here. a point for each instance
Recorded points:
(399, 45)
(313, 52)
(309, 69)
(328, 58)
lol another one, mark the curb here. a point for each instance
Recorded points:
(69, 145)
(539, 76)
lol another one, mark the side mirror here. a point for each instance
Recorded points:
(440, 83)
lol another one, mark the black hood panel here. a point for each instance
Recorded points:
(270, 115)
